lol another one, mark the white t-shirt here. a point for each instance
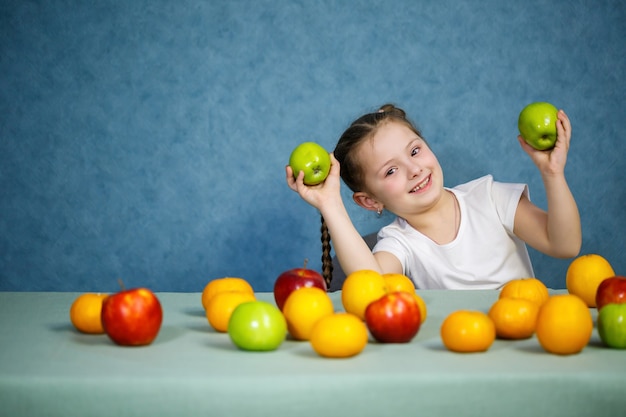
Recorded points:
(485, 253)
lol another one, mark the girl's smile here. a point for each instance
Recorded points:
(421, 186)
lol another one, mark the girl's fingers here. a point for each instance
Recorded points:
(291, 180)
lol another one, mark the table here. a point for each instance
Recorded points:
(49, 369)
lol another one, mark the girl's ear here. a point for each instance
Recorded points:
(367, 202)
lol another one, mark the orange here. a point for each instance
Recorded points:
(398, 282)
(422, 306)
(585, 274)
(303, 308)
(467, 331)
(222, 305)
(85, 313)
(224, 284)
(514, 318)
(564, 324)
(339, 335)
(528, 288)
(361, 288)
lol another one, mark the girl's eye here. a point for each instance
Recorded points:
(415, 151)
(390, 172)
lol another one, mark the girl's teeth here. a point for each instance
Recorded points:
(421, 185)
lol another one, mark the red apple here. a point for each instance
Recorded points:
(132, 317)
(291, 280)
(611, 290)
(393, 318)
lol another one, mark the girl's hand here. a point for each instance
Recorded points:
(553, 161)
(316, 195)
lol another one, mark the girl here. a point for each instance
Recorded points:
(470, 236)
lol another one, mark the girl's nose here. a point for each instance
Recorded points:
(414, 170)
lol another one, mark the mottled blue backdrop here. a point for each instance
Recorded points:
(146, 140)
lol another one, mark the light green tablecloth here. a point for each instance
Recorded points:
(49, 369)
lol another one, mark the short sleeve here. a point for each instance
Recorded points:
(506, 198)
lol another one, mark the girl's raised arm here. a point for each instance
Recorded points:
(351, 250)
(557, 231)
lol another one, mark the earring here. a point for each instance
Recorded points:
(379, 211)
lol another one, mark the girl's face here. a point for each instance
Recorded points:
(401, 172)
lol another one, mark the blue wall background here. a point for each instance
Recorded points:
(147, 139)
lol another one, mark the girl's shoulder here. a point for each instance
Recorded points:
(485, 181)
(502, 197)
(488, 186)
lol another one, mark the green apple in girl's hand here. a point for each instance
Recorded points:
(537, 125)
(313, 159)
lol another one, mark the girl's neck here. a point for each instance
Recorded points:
(441, 223)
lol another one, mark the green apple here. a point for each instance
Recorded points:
(257, 325)
(612, 325)
(311, 158)
(537, 125)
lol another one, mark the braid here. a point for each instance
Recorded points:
(327, 261)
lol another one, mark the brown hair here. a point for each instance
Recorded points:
(352, 173)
